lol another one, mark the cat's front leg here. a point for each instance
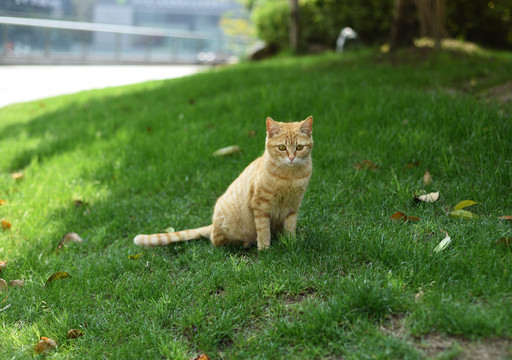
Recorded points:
(262, 222)
(290, 223)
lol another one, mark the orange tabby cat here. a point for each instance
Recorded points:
(264, 199)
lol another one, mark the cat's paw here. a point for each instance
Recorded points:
(263, 246)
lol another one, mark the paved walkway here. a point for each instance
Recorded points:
(26, 83)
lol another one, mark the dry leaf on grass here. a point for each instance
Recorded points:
(507, 217)
(366, 164)
(427, 178)
(18, 176)
(6, 225)
(412, 164)
(3, 285)
(3, 264)
(443, 244)
(69, 237)
(57, 276)
(2, 201)
(227, 151)
(75, 333)
(45, 345)
(134, 257)
(505, 241)
(17, 283)
(401, 216)
(201, 357)
(429, 198)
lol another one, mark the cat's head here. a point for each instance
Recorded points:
(290, 143)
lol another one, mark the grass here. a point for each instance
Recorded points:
(138, 159)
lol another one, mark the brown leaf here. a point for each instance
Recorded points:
(506, 241)
(45, 345)
(16, 283)
(69, 237)
(3, 285)
(18, 176)
(366, 164)
(427, 178)
(201, 357)
(2, 201)
(412, 164)
(401, 216)
(6, 225)
(57, 276)
(78, 203)
(2, 265)
(506, 217)
(75, 333)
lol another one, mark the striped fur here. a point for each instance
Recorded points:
(264, 199)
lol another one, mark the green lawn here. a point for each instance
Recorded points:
(354, 284)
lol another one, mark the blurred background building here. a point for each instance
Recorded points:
(120, 31)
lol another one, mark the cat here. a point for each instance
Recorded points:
(264, 200)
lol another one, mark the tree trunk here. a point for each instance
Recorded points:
(403, 27)
(431, 15)
(294, 25)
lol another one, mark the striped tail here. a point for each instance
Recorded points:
(166, 239)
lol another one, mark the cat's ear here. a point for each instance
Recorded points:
(272, 127)
(306, 126)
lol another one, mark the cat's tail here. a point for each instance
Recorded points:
(168, 238)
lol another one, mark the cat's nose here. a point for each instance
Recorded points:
(291, 158)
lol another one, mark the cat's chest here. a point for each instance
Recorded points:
(287, 196)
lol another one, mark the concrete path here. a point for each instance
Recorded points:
(26, 83)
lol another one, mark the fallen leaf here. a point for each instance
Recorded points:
(2, 201)
(201, 357)
(18, 176)
(78, 203)
(464, 214)
(16, 283)
(506, 241)
(412, 164)
(427, 178)
(401, 216)
(134, 257)
(227, 151)
(6, 225)
(3, 285)
(443, 244)
(57, 276)
(75, 333)
(69, 237)
(464, 204)
(2, 265)
(419, 296)
(507, 217)
(169, 230)
(429, 198)
(366, 164)
(45, 345)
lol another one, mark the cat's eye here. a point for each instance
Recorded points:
(281, 147)
(299, 147)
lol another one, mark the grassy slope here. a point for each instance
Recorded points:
(139, 157)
